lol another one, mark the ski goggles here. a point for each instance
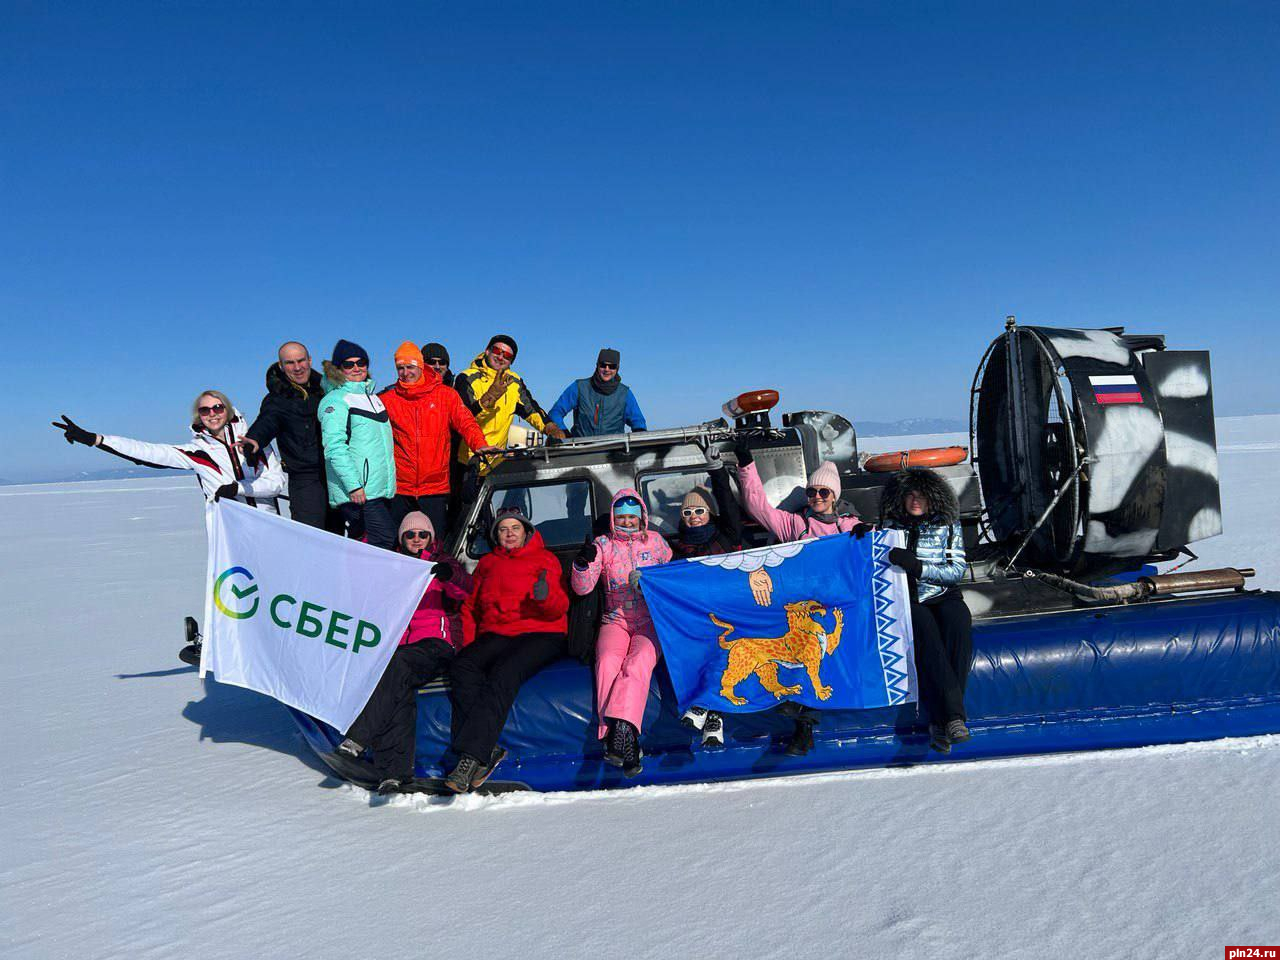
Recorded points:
(819, 493)
(627, 507)
(688, 512)
(501, 351)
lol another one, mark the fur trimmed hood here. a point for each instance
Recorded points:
(281, 386)
(943, 507)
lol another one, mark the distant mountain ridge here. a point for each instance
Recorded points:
(912, 426)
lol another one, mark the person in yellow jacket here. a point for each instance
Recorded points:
(495, 394)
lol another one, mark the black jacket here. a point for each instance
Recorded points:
(288, 418)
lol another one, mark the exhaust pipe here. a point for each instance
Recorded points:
(1162, 584)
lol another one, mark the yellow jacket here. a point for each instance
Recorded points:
(496, 417)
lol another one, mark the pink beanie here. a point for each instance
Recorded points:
(416, 520)
(826, 476)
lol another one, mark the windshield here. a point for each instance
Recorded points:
(663, 494)
(561, 512)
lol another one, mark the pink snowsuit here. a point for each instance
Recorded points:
(626, 651)
(784, 525)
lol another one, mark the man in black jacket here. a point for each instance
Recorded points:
(288, 417)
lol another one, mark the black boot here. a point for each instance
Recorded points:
(802, 740)
(631, 752)
(614, 744)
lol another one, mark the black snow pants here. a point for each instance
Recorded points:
(309, 503)
(388, 724)
(486, 677)
(943, 632)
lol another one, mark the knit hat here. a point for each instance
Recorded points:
(826, 476)
(509, 513)
(504, 339)
(346, 350)
(435, 351)
(416, 520)
(699, 497)
(408, 352)
(609, 355)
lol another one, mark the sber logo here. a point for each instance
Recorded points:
(302, 617)
(237, 594)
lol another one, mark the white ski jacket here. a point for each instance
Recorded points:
(215, 463)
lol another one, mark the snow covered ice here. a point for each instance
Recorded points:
(148, 816)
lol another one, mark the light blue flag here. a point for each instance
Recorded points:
(823, 622)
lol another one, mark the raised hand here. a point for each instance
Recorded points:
(75, 433)
(587, 555)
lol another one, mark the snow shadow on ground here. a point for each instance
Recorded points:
(229, 714)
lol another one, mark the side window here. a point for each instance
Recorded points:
(561, 512)
(663, 493)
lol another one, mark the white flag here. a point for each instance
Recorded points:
(300, 614)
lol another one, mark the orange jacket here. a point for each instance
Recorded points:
(422, 415)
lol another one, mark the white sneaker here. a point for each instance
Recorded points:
(694, 717)
(713, 731)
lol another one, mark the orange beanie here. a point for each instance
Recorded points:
(408, 352)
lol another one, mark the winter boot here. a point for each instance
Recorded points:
(349, 748)
(191, 652)
(694, 717)
(712, 731)
(614, 745)
(957, 732)
(486, 771)
(631, 752)
(938, 739)
(459, 779)
(802, 740)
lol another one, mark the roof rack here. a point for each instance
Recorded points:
(703, 433)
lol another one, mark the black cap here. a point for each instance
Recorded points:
(435, 351)
(609, 355)
(509, 341)
(346, 350)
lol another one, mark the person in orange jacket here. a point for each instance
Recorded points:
(423, 412)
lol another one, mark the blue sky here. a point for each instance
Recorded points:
(841, 201)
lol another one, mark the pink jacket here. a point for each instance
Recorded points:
(617, 555)
(432, 620)
(783, 524)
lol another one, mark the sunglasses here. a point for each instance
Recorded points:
(607, 366)
(208, 411)
(416, 535)
(819, 493)
(693, 512)
(437, 363)
(502, 352)
(352, 364)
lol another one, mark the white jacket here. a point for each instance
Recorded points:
(215, 463)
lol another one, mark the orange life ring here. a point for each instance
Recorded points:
(924, 457)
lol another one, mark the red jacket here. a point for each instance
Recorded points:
(422, 415)
(501, 598)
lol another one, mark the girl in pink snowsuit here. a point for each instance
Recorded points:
(626, 651)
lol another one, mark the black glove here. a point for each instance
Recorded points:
(228, 490)
(743, 454)
(860, 530)
(74, 433)
(907, 560)
(442, 572)
(713, 460)
(540, 589)
(587, 555)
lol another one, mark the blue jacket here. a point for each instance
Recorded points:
(596, 413)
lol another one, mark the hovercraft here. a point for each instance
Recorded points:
(1093, 459)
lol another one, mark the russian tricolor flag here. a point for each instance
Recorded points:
(1122, 389)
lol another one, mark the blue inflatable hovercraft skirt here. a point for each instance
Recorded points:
(1161, 672)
